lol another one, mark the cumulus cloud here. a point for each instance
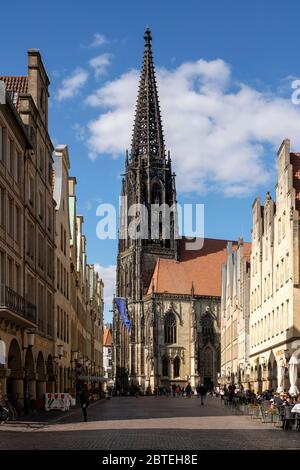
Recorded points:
(101, 63)
(97, 41)
(108, 275)
(221, 133)
(71, 85)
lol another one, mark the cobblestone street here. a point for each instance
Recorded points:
(149, 423)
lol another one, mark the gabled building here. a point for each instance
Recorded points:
(107, 351)
(64, 314)
(275, 278)
(51, 300)
(31, 373)
(235, 315)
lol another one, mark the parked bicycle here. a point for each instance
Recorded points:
(4, 414)
(7, 411)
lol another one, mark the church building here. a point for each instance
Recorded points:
(172, 292)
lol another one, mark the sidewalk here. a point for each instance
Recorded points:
(42, 418)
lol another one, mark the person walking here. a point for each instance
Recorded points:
(202, 392)
(84, 402)
(188, 390)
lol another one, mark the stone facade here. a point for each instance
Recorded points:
(192, 354)
(275, 277)
(235, 315)
(51, 300)
(27, 371)
(107, 352)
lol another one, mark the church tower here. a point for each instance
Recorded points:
(149, 183)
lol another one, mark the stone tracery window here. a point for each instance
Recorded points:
(207, 327)
(170, 328)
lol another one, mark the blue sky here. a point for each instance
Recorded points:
(224, 73)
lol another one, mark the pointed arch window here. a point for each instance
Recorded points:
(156, 196)
(207, 326)
(177, 367)
(156, 216)
(165, 367)
(170, 328)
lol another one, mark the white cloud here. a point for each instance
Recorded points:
(220, 132)
(108, 275)
(71, 85)
(98, 40)
(101, 63)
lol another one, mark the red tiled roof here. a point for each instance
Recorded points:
(107, 337)
(17, 85)
(200, 268)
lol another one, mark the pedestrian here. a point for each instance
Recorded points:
(202, 391)
(188, 390)
(84, 402)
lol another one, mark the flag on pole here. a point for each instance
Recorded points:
(122, 310)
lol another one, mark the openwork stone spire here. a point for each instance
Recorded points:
(148, 141)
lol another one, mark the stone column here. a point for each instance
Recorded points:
(50, 386)
(171, 365)
(32, 389)
(18, 390)
(40, 389)
(192, 366)
(3, 388)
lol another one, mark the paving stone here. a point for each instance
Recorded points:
(157, 423)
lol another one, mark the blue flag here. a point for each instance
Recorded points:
(122, 310)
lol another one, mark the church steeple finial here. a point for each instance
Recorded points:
(148, 37)
(147, 140)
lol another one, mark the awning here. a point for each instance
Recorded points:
(91, 378)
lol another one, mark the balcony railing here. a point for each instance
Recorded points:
(10, 300)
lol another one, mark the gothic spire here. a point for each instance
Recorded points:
(147, 137)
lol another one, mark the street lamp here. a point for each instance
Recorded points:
(60, 351)
(74, 358)
(30, 340)
(30, 343)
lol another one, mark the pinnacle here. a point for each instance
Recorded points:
(147, 139)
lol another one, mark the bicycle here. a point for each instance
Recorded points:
(4, 414)
(12, 412)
